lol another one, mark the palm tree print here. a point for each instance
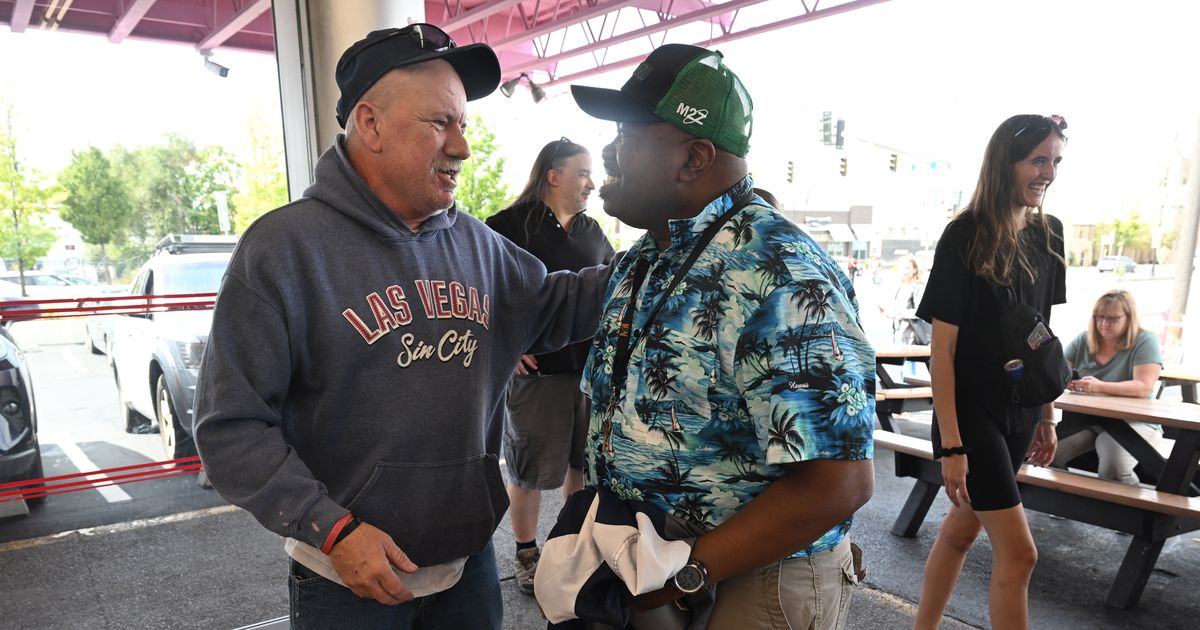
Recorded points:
(734, 452)
(773, 273)
(784, 434)
(815, 300)
(741, 228)
(789, 342)
(691, 507)
(660, 375)
(753, 351)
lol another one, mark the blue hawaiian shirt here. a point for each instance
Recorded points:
(757, 359)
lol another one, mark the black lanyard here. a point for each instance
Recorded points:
(620, 368)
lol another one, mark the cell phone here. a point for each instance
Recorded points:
(1038, 337)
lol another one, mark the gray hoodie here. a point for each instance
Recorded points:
(355, 365)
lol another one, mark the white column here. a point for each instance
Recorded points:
(1185, 252)
(310, 36)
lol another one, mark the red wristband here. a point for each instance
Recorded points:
(333, 538)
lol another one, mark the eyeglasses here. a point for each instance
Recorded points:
(1111, 321)
(1044, 123)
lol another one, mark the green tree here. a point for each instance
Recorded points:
(263, 176)
(97, 203)
(24, 202)
(1130, 233)
(480, 190)
(175, 187)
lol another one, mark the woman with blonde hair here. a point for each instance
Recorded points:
(1001, 242)
(907, 328)
(1117, 357)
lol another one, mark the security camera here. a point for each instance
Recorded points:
(213, 66)
(216, 68)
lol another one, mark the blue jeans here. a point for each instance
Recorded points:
(474, 602)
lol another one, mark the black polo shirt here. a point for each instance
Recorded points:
(532, 227)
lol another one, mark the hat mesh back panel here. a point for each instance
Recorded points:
(708, 101)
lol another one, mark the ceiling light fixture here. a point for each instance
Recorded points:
(508, 87)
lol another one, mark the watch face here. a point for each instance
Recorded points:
(689, 579)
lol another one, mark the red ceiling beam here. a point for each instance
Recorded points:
(129, 20)
(687, 18)
(549, 27)
(240, 20)
(750, 32)
(22, 11)
(485, 10)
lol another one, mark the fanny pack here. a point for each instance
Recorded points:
(1035, 371)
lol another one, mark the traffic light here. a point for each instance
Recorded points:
(894, 164)
(840, 141)
(791, 171)
(827, 128)
(845, 165)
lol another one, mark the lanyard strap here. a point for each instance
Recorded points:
(620, 368)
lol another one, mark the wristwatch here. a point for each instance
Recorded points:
(691, 578)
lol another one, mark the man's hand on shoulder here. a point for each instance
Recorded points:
(364, 561)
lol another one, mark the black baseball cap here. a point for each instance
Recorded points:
(380, 52)
(687, 86)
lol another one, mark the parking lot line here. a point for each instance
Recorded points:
(112, 494)
(117, 528)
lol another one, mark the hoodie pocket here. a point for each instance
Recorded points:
(435, 511)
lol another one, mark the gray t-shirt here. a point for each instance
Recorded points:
(1120, 368)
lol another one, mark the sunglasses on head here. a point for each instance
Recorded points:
(1044, 123)
(562, 142)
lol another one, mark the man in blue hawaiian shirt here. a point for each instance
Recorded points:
(744, 403)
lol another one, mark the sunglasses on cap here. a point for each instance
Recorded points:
(425, 36)
(1044, 123)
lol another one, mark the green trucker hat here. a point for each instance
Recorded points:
(687, 86)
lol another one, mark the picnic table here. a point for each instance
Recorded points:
(1179, 376)
(1151, 516)
(903, 396)
(897, 354)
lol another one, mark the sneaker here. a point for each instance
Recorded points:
(527, 561)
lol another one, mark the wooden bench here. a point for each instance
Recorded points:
(1151, 516)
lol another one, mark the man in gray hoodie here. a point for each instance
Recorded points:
(351, 396)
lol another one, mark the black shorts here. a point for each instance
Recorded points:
(992, 463)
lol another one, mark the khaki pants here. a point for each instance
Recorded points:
(794, 594)
(797, 593)
(1116, 464)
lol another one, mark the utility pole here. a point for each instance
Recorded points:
(1186, 245)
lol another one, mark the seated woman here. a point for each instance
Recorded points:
(1116, 357)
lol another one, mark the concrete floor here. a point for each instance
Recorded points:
(217, 568)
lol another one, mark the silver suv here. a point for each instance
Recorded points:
(156, 350)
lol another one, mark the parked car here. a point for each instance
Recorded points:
(98, 330)
(20, 452)
(1114, 263)
(156, 353)
(51, 285)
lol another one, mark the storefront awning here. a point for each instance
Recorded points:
(840, 233)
